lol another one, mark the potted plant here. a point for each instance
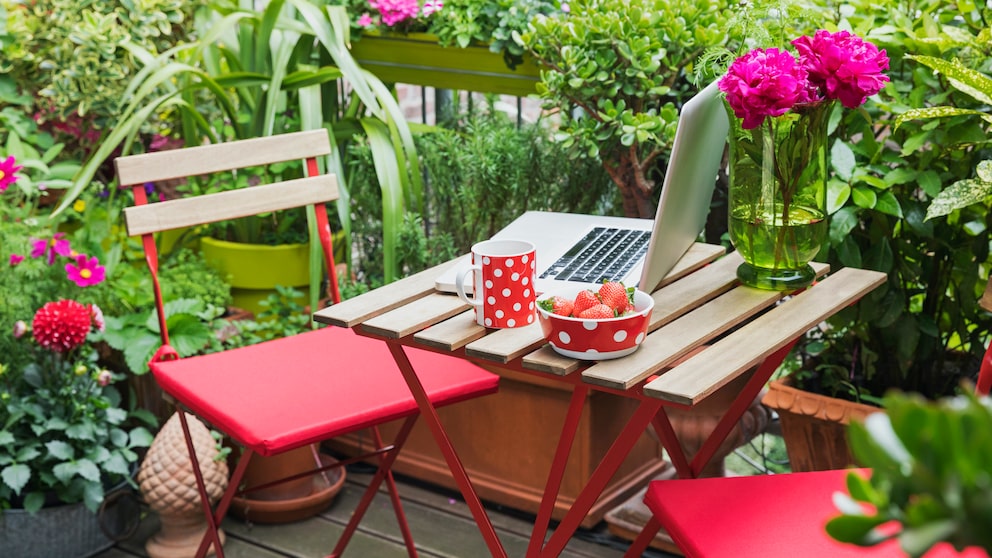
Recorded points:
(460, 44)
(616, 72)
(929, 482)
(66, 434)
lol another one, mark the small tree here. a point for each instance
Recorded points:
(618, 71)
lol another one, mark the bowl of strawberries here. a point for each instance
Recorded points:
(608, 322)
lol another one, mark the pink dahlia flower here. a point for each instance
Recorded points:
(8, 168)
(86, 271)
(843, 66)
(61, 326)
(764, 82)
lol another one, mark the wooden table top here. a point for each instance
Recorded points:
(699, 304)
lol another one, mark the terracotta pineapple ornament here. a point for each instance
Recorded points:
(169, 487)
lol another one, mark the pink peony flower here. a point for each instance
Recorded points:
(8, 168)
(49, 248)
(395, 11)
(762, 83)
(16, 259)
(86, 271)
(842, 66)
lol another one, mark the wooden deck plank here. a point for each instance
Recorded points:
(429, 310)
(453, 333)
(353, 311)
(726, 359)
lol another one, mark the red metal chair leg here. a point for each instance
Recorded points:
(211, 536)
(984, 383)
(384, 472)
(647, 534)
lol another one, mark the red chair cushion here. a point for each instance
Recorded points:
(302, 389)
(763, 516)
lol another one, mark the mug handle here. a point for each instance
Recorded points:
(460, 285)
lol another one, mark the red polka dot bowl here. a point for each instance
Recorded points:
(596, 339)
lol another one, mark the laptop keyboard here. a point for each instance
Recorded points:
(604, 254)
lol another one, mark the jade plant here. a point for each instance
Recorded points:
(617, 71)
(931, 476)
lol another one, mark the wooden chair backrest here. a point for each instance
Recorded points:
(145, 218)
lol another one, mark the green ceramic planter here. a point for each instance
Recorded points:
(254, 270)
(416, 58)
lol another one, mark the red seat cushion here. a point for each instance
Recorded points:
(302, 389)
(763, 516)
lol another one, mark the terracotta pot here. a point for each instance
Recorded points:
(814, 426)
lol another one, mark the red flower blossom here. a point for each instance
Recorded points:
(61, 326)
(843, 66)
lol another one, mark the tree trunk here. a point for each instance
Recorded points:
(635, 187)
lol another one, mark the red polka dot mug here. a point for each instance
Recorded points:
(502, 282)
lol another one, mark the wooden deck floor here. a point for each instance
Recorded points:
(439, 520)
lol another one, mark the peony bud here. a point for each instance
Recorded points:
(104, 377)
(20, 328)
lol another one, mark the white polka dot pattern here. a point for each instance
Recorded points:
(507, 295)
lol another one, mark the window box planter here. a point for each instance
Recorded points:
(417, 58)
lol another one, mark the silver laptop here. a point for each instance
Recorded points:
(588, 249)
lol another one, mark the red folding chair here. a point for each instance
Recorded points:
(287, 393)
(768, 516)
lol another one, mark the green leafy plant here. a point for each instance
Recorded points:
(618, 71)
(931, 475)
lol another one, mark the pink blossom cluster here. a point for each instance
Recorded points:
(395, 11)
(82, 270)
(769, 82)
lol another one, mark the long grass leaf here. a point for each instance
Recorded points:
(406, 149)
(384, 160)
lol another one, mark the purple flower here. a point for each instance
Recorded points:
(86, 271)
(764, 82)
(16, 259)
(843, 66)
(50, 247)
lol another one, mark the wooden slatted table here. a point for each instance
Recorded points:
(700, 310)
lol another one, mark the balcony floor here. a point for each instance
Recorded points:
(439, 520)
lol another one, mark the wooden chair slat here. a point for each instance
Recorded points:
(230, 204)
(351, 312)
(207, 159)
(711, 369)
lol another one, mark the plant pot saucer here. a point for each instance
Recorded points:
(293, 509)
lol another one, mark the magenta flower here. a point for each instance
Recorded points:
(395, 11)
(764, 82)
(842, 66)
(365, 20)
(16, 259)
(8, 168)
(86, 271)
(49, 248)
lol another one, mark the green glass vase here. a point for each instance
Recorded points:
(777, 197)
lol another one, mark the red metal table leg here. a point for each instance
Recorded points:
(444, 444)
(614, 457)
(557, 472)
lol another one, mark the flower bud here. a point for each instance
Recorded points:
(104, 378)
(80, 370)
(20, 328)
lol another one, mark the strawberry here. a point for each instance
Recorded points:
(598, 312)
(557, 305)
(614, 295)
(583, 301)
